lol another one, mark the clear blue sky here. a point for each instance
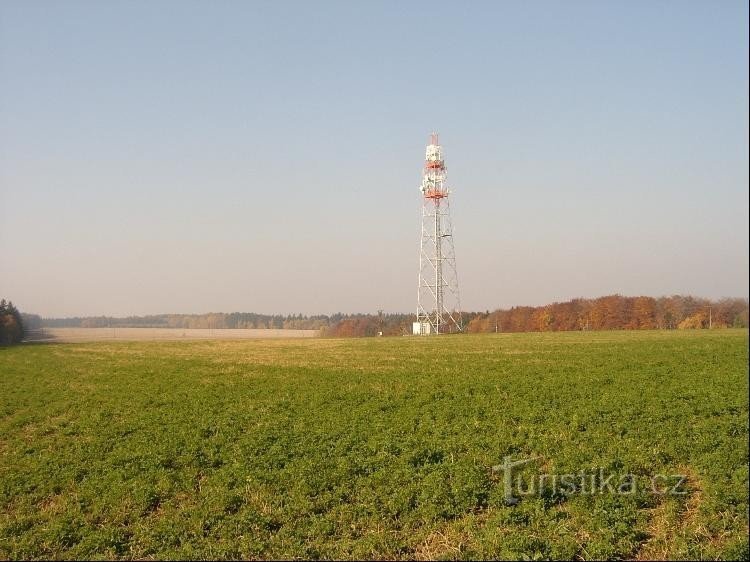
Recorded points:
(265, 156)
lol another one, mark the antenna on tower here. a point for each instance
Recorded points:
(438, 302)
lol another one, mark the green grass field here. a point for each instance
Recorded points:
(373, 448)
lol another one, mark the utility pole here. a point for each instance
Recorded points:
(710, 316)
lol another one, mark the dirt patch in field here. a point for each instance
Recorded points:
(451, 539)
(63, 335)
(671, 518)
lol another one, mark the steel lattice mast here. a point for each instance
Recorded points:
(438, 302)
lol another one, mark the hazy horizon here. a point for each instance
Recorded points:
(187, 157)
(355, 312)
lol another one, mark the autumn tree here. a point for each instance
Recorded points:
(11, 324)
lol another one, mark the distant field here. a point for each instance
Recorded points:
(134, 334)
(374, 448)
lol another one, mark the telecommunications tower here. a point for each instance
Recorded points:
(438, 303)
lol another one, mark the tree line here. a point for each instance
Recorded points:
(212, 320)
(613, 312)
(338, 324)
(11, 324)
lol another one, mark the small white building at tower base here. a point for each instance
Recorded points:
(421, 328)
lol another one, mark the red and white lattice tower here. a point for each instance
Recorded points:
(438, 302)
